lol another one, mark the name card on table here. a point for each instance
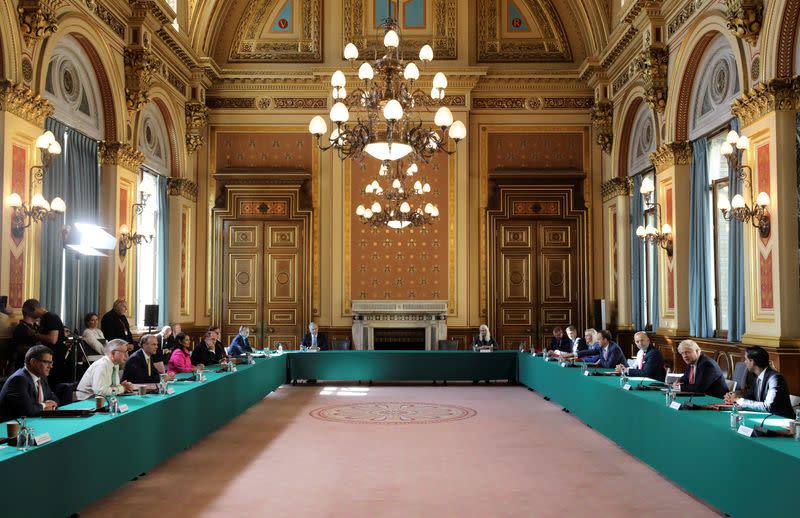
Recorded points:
(170, 391)
(484, 350)
(42, 439)
(675, 405)
(123, 408)
(745, 430)
(563, 364)
(586, 373)
(627, 386)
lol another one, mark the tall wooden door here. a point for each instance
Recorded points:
(536, 273)
(263, 281)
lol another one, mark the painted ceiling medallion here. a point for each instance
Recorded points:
(521, 31)
(280, 31)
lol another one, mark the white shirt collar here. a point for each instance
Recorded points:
(761, 376)
(33, 376)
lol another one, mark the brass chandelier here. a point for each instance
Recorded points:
(398, 209)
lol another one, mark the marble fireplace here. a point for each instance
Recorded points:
(429, 316)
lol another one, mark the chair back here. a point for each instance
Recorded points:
(448, 345)
(341, 344)
(742, 376)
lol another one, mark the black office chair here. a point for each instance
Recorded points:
(341, 344)
(448, 345)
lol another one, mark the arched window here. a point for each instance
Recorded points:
(717, 87)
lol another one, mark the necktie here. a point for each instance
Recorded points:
(147, 359)
(691, 375)
(641, 359)
(39, 390)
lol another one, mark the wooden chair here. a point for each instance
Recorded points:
(448, 345)
(341, 344)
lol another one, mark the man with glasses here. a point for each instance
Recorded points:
(26, 392)
(103, 377)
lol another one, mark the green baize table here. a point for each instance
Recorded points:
(696, 449)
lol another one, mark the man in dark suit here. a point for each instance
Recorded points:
(560, 342)
(702, 373)
(241, 345)
(140, 367)
(26, 392)
(314, 338)
(609, 352)
(114, 324)
(205, 352)
(576, 343)
(769, 393)
(649, 362)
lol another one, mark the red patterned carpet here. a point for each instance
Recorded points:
(402, 451)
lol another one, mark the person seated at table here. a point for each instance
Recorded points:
(702, 373)
(93, 336)
(649, 362)
(140, 367)
(181, 359)
(102, 378)
(484, 339)
(314, 338)
(241, 345)
(205, 352)
(26, 392)
(559, 342)
(577, 343)
(770, 393)
(610, 354)
(590, 336)
(219, 349)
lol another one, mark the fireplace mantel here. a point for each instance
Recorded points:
(370, 314)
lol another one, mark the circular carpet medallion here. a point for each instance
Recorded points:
(393, 412)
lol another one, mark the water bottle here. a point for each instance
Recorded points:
(162, 384)
(250, 360)
(797, 426)
(280, 348)
(522, 347)
(623, 378)
(736, 418)
(113, 404)
(670, 395)
(23, 436)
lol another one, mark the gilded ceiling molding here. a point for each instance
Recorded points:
(238, 103)
(499, 103)
(745, 18)
(22, 102)
(141, 65)
(443, 37)
(553, 46)
(118, 153)
(617, 186)
(249, 47)
(300, 103)
(652, 65)
(116, 25)
(602, 118)
(196, 122)
(567, 103)
(636, 7)
(671, 154)
(532, 103)
(37, 20)
(780, 94)
(681, 17)
(183, 187)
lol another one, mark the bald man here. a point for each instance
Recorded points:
(649, 362)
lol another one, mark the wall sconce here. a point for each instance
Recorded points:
(128, 239)
(651, 233)
(39, 208)
(736, 208)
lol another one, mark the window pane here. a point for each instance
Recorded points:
(146, 223)
(721, 252)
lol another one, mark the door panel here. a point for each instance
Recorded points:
(516, 283)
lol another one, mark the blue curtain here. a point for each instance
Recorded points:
(736, 316)
(162, 245)
(637, 255)
(700, 303)
(75, 177)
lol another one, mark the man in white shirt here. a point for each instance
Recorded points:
(102, 377)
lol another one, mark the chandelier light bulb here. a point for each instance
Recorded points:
(14, 200)
(411, 72)
(743, 142)
(640, 231)
(379, 190)
(724, 204)
(334, 137)
(731, 137)
(58, 205)
(428, 208)
(124, 230)
(443, 117)
(338, 80)
(365, 72)
(762, 200)
(38, 201)
(737, 202)
(412, 169)
(457, 131)
(437, 94)
(726, 149)
(317, 126)
(647, 186)
(391, 40)
(666, 228)
(405, 208)
(54, 148)
(426, 187)
(650, 230)
(360, 210)
(367, 213)
(375, 185)
(339, 93)
(350, 52)
(435, 212)
(396, 184)
(44, 140)
(417, 186)
(368, 189)
(376, 207)
(426, 54)
(393, 111)
(433, 141)
(339, 113)
(440, 81)
(383, 170)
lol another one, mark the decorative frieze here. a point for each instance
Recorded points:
(602, 117)
(679, 20)
(141, 65)
(119, 153)
(22, 102)
(115, 24)
(499, 103)
(780, 94)
(239, 103)
(532, 103)
(196, 121)
(300, 103)
(183, 187)
(567, 103)
(652, 65)
(37, 20)
(617, 186)
(671, 154)
(449, 100)
(745, 18)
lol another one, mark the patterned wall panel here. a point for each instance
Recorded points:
(243, 278)
(243, 236)
(185, 264)
(520, 30)
(16, 287)
(279, 32)
(282, 237)
(555, 236)
(282, 278)
(535, 151)
(237, 150)
(517, 317)
(556, 278)
(516, 285)
(285, 317)
(516, 237)
(670, 261)
(242, 317)
(764, 245)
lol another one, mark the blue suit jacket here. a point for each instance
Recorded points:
(773, 396)
(614, 357)
(708, 378)
(322, 342)
(652, 365)
(239, 346)
(135, 369)
(19, 396)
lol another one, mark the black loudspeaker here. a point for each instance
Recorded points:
(151, 315)
(600, 320)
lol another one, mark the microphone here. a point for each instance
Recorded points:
(760, 431)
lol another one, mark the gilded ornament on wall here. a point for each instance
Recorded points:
(745, 18)
(780, 94)
(547, 42)
(22, 102)
(300, 36)
(671, 154)
(652, 65)
(37, 20)
(140, 66)
(118, 153)
(602, 113)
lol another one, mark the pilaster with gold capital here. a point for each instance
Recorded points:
(616, 224)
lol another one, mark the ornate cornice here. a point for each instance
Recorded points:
(240, 103)
(780, 94)
(676, 22)
(652, 65)
(617, 186)
(140, 66)
(37, 20)
(635, 8)
(196, 122)
(602, 118)
(532, 103)
(118, 153)
(183, 187)
(671, 154)
(22, 102)
(745, 18)
(116, 25)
